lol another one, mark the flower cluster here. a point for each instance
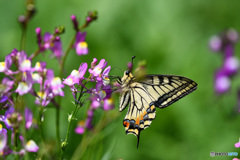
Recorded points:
(224, 43)
(99, 95)
(50, 42)
(80, 44)
(26, 75)
(12, 120)
(20, 77)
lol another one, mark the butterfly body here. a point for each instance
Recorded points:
(144, 94)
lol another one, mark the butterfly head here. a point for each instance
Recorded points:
(125, 80)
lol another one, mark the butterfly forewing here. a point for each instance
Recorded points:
(167, 89)
(146, 94)
(124, 100)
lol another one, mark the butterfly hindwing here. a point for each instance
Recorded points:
(140, 113)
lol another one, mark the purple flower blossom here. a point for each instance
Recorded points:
(57, 48)
(26, 85)
(222, 82)
(31, 146)
(99, 94)
(3, 99)
(25, 65)
(215, 43)
(43, 98)
(54, 84)
(80, 44)
(80, 129)
(225, 43)
(105, 77)
(52, 87)
(5, 118)
(3, 139)
(2, 66)
(56, 87)
(94, 62)
(76, 76)
(28, 118)
(231, 66)
(54, 44)
(237, 145)
(75, 22)
(97, 70)
(50, 42)
(95, 104)
(6, 85)
(39, 37)
(108, 104)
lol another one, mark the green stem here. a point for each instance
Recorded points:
(70, 122)
(23, 38)
(40, 122)
(65, 56)
(16, 134)
(57, 125)
(68, 50)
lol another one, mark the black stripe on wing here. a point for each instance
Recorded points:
(168, 89)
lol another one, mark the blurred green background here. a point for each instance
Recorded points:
(172, 37)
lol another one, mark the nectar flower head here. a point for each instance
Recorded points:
(57, 86)
(2, 66)
(108, 104)
(219, 42)
(26, 85)
(215, 43)
(95, 104)
(75, 22)
(23, 88)
(6, 85)
(231, 65)
(96, 71)
(40, 66)
(105, 77)
(57, 48)
(3, 138)
(31, 146)
(54, 44)
(94, 62)
(25, 65)
(80, 129)
(80, 44)
(28, 118)
(76, 76)
(42, 98)
(222, 83)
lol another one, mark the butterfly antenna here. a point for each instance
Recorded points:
(132, 62)
(116, 67)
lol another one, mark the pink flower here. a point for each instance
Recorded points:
(80, 44)
(31, 146)
(26, 85)
(3, 138)
(28, 118)
(80, 129)
(76, 76)
(97, 70)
